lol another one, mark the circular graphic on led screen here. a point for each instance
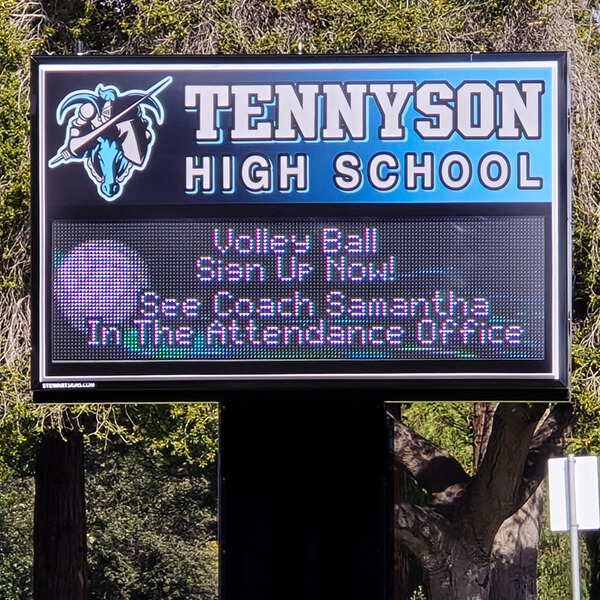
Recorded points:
(99, 280)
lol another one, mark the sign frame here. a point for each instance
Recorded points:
(549, 380)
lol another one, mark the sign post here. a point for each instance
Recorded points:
(574, 495)
(304, 505)
(573, 529)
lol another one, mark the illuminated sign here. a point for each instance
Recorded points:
(215, 222)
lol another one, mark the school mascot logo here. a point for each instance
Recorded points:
(110, 132)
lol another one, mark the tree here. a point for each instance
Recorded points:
(479, 538)
(474, 515)
(152, 519)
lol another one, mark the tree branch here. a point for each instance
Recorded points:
(433, 467)
(423, 531)
(548, 441)
(483, 419)
(522, 438)
(491, 495)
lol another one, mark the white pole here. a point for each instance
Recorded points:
(573, 528)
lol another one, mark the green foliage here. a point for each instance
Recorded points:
(276, 26)
(130, 26)
(186, 431)
(447, 424)
(85, 20)
(14, 179)
(151, 527)
(388, 26)
(261, 26)
(592, 545)
(554, 565)
(18, 38)
(16, 529)
(16, 42)
(163, 26)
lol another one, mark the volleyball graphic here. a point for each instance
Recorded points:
(100, 279)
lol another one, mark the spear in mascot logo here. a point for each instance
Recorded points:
(79, 144)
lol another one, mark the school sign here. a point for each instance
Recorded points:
(342, 220)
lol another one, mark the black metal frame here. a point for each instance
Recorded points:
(530, 378)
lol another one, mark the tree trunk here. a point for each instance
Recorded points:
(401, 572)
(461, 579)
(510, 572)
(515, 552)
(493, 580)
(401, 569)
(59, 569)
(483, 419)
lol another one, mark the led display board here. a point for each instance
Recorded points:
(213, 222)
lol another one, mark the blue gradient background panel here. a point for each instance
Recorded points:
(163, 180)
(321, 154)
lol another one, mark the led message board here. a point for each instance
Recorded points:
(226, 221)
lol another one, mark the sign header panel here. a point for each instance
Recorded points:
(301, 218)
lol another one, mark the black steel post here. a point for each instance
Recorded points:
(304, 505)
